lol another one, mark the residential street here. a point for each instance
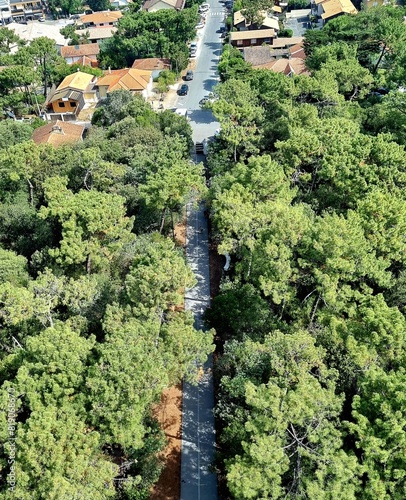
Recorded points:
(198, 432)
(205, 75)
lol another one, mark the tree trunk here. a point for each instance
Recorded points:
(88, 264)
(379, 60)
(45, 78)
(316, 305)
(31, 192)
(173, 226)
(162, 221)
(87, 176)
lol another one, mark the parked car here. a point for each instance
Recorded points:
(204, 7)
(183, 90)
(199, 26)
(204, 101)
(189, 75)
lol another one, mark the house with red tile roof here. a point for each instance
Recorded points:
(85, 54)
(153, 64)
(288, 60)
(135, 80)
(104, 19)
(58, 133)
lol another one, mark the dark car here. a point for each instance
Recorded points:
(184, 89)
(189, 75)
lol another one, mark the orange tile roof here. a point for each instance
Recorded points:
(128, 79)
(285, 66)
(152, 63)
(102, 17)
(58, 133)
(87, 49)
(297, 51)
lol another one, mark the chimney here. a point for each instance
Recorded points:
(57, 129)
(109, 70)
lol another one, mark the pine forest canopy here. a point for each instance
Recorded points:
(307, 196)
(90, 301)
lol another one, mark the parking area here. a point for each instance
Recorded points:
(298, 25)
(298, 21)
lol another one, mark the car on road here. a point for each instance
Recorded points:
(206, 99)
(199, 26)
(189, 75)
(183, 90)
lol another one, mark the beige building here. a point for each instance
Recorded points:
(154, 5)
(329, 9)
(241, 24)
(97, 35)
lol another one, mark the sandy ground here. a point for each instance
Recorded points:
(169, 415)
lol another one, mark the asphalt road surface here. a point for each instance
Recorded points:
(209, 47)
(198, 482)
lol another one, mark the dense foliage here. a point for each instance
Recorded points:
(308, 197)
(140, 34)
(91, 292)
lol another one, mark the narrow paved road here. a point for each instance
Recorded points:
(198, 431)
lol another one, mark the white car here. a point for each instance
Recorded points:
(204, 7)
(199, 26)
